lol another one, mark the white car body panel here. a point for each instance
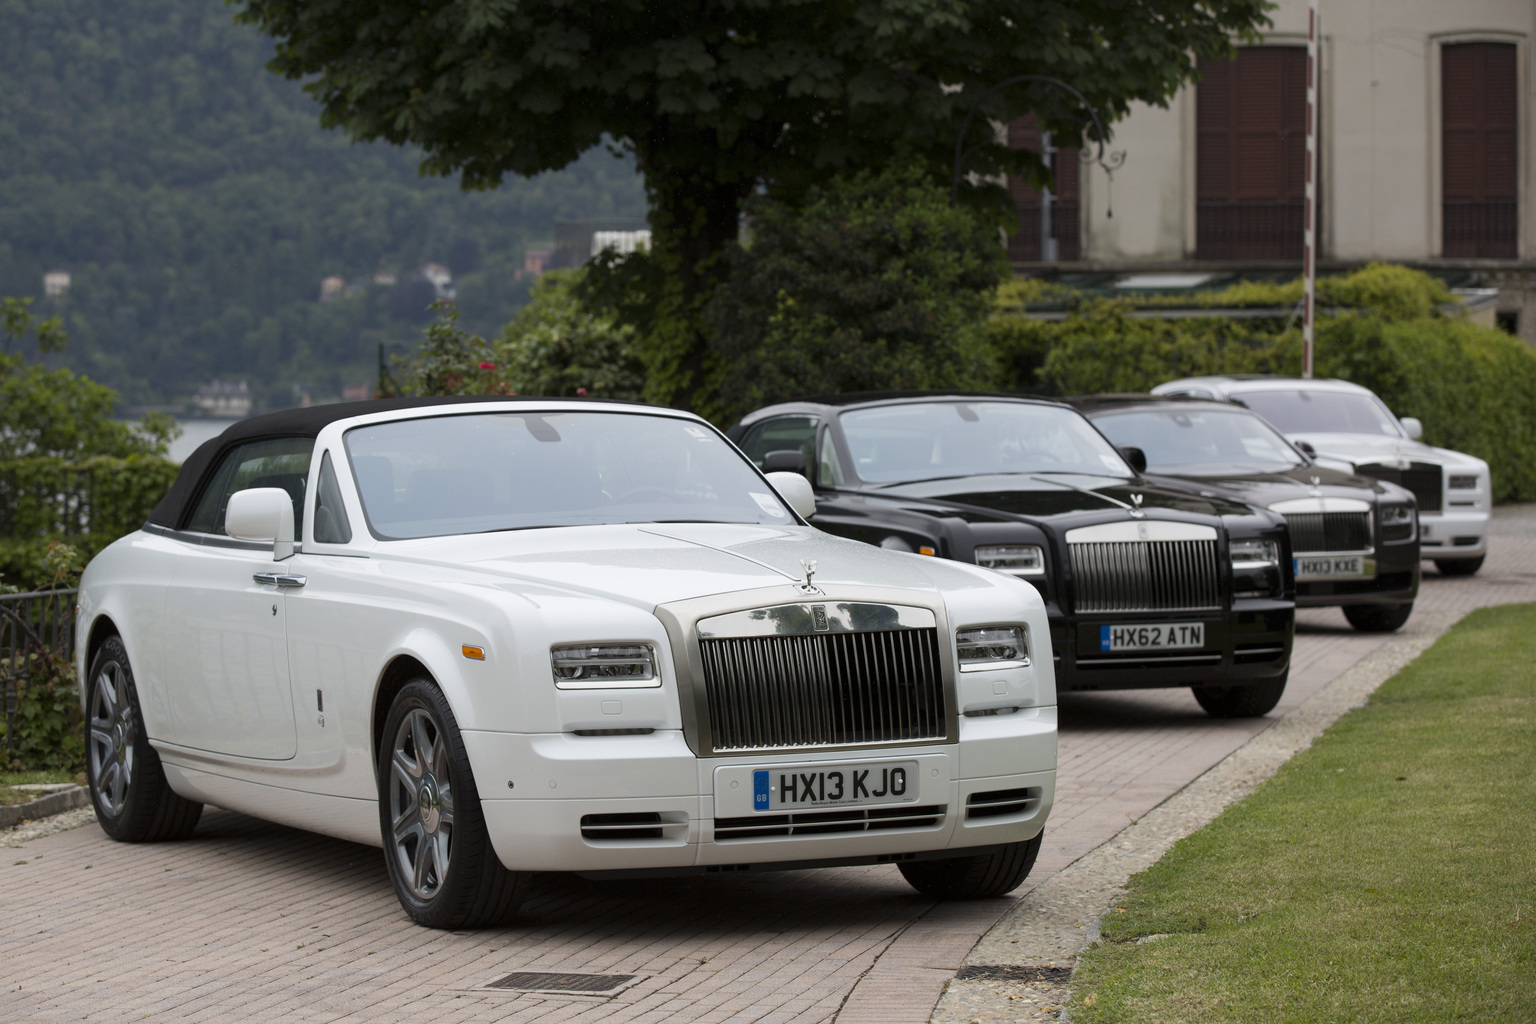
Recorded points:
(1464, 513)
(261, 699)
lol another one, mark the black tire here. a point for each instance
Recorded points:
(1246, 700)
(475, 890)
(1459, 566)
(1378, 618)
(134, 803)
(974, 878)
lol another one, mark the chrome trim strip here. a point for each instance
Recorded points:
(1142, 529)
(804, 619)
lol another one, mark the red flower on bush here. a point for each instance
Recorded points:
(487, 366)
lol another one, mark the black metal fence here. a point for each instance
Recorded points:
(34, 628)
(1249, 230)
(1484, 228)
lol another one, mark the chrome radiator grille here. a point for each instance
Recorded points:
(1133, 576)
(1329, 531)
(824, 689)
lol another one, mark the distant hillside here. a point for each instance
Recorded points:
(197, 206)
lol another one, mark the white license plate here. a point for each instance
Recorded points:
(1321, 567)
(791, 787)
(1160, 636)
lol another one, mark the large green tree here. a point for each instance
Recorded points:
(719, 98)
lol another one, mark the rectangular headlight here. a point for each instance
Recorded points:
(1463, 483)
(1014, 559)
(987, 647)
(604, 666)
(1254, 554)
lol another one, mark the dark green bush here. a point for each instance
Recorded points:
(88, 504)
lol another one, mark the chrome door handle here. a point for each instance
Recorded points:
(280, 579)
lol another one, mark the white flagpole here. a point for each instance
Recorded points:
(1309, 230)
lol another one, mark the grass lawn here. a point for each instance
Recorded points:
(1386, 874)
(15, 796)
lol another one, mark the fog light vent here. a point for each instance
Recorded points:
(613, 827)
(1000, 803)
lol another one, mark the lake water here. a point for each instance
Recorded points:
(194, 433)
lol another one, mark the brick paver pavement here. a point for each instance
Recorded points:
(249, 921)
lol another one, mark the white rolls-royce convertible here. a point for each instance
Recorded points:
(511, 635)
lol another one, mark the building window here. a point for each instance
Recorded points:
(1038, 233)
(1478, 138)
(1251, 156)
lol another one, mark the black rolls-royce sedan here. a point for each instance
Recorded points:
(1355, 539)
(1147, 585)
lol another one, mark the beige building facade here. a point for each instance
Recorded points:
(1426, 127)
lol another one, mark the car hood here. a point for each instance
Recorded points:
(653, 564)
(1265, 489)
(1042, 497)
(1359, 449)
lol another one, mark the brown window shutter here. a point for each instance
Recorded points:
(1024, 243)
(1250, 154)
(1479, 136)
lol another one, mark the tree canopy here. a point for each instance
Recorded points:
(719, 99)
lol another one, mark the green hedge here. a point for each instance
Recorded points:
(87, 504)
(1474, 387)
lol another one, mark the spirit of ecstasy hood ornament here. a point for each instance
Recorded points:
(1317, 486)
(810, 570)
(1136, 512)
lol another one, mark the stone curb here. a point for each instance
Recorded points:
(1057, 919)
(42, 807)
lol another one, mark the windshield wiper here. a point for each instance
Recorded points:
(952, 476)
(1087, 491)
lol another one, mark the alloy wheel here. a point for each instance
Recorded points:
(113, 731)
(421, 803)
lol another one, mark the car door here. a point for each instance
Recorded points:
(226, 665)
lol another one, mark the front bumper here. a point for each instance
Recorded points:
(1396, 582)
(1453, 534)
(538, 790)
(1250, 644)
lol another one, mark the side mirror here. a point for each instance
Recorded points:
(1412, 427)
(1134, 457)
(796, 492)
(1305, 447)
(262, 513)
(790, 460)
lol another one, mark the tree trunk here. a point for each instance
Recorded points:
(694, 218)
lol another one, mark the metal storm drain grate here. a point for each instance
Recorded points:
(1012, 972)
(557, 983)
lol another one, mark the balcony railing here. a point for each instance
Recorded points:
(1482, 229)
(1250, 230)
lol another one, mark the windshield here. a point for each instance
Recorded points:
(1201, 442)
(936, 440)
(480, 472)
(1322, 412)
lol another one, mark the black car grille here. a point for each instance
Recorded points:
(823, 690)
(1133, 576)
(1329, 531)
(1422, 478)
(807, 823)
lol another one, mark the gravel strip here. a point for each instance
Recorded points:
(1051, 924)
(30, 830)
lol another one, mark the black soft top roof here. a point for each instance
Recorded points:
(176, 504)
(1086, 404)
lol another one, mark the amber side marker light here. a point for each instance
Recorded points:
(473, 653)
(925, 550)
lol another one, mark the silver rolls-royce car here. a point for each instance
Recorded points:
(1347, 427)
(499, 637)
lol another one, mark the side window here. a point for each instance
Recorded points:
(283, 462)
(783, 433)
(829, 472)
(331, 524)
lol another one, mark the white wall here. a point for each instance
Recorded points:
(1381, 135)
